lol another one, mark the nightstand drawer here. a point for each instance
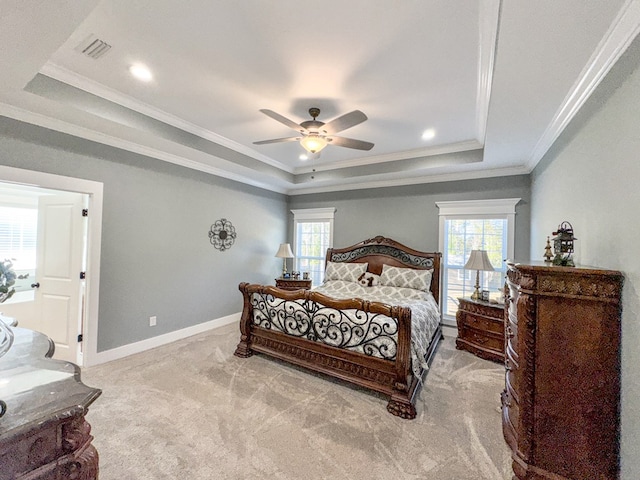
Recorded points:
(483, 323)
(481, 329)
(482, 339)
(293, 284)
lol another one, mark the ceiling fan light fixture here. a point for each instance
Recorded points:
(313, 143)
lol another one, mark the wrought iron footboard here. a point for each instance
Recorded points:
(373, 334)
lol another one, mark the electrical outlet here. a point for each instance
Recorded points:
(152, 321)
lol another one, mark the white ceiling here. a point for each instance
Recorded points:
(497, 81)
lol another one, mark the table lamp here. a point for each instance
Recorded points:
(284, 252)
(478, 260)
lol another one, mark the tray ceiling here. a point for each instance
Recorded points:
(496, 81)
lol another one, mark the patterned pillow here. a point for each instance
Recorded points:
(349, 272)
(406, 278)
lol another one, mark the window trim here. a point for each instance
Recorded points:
(476, 209)
(311, 214)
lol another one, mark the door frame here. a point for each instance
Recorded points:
(94, 237)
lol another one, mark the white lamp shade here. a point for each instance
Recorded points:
(284, 251)
(313, 143)
(479, 260)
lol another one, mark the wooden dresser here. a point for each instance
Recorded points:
(481, 329)
(43, 433)
(293, 284)
(561, 403)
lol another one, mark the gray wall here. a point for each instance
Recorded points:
(409, 214)
(156, 257)
(591, 178)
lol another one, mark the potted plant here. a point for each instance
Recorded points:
(8, 279)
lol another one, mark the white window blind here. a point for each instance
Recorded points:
(18, 237)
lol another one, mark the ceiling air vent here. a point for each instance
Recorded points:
(93, 47)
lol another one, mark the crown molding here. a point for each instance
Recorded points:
(40, 120)
(68, 77)
(489, 25)
(44, 121)
(64, 75)
(392, 157)
(400, 182)
(621, 33)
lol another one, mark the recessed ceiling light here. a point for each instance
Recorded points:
(428, 134)
(141, 72)
(303, 157)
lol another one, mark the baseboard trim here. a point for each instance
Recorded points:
(164, 339)
(449, 322)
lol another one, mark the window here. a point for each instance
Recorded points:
(312, 236)
(474, 225)
(18, 235)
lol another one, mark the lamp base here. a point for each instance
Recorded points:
(476, 295)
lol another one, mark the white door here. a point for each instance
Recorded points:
(59, 261)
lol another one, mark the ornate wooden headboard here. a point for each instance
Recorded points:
(380, 250)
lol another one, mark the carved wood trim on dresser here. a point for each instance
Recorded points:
(560, 405)
(44, 434)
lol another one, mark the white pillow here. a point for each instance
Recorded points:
(349, 272)
(406, 278)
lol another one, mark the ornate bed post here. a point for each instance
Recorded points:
(400, 403)
(243, 350)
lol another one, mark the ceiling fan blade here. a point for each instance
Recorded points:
(351, 143)
(277, 140)
(345, 121)
(283, 120)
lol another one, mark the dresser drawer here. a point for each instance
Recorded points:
(510, 386)
(34, 451)
(509, 420)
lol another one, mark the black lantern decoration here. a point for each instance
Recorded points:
(222, 234)
(563, 245)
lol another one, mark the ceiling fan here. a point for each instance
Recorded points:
(315, 135)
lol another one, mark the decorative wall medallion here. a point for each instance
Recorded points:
(222, 234)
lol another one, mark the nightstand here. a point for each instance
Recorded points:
(292, 284)
(481, 329)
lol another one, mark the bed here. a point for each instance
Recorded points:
(381, 337)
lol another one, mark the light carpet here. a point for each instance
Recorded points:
(191, 410)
